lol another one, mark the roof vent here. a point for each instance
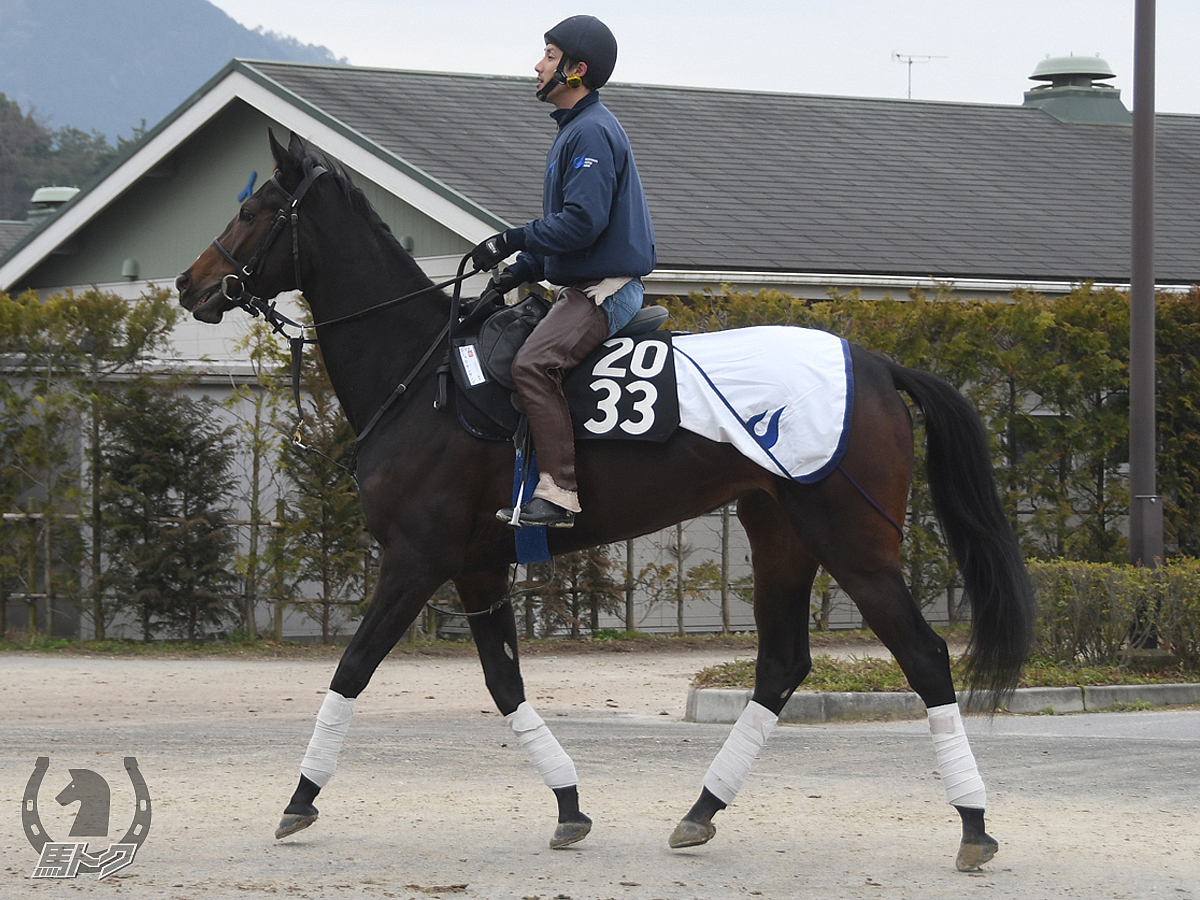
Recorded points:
(46, 202)
(1073, 94)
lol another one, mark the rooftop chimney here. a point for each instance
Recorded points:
(1073, 94)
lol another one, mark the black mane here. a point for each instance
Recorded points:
(359, 203)
(352, 192)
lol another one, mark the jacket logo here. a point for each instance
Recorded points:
(583, 162)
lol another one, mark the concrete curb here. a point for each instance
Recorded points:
(723, 706)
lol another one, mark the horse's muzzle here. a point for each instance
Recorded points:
(204, 305)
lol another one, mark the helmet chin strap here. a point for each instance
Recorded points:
(559, 77)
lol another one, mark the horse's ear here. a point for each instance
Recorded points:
(296, 147)
(287, 162)
(277, 150)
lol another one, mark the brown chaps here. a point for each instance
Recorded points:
(574, 327)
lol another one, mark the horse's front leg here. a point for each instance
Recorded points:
(399, 596)
(495, 636)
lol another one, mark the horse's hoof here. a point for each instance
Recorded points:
(691, 834)
(568, 833)
(972, 856)
(291, 823)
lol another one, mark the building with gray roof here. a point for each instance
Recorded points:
(756, 189)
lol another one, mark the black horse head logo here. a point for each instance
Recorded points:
(91, 791)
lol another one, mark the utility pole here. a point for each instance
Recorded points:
(1145, 506)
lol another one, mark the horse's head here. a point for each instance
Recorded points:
(249, 256)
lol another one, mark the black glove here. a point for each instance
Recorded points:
(490, 253)
(506, 281)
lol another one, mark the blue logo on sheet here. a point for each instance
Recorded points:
(767, 434)
(583, 162)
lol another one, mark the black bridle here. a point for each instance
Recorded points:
(238, 288)
(288, 213)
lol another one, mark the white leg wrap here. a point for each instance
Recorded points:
(547, 754)
(728, 771)
(960, 775)
(333, 720)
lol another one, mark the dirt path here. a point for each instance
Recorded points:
(431, 794)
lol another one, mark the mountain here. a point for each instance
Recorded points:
(108, 64)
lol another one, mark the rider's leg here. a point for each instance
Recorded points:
(572, 329)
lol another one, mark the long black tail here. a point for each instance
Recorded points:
(980, 536)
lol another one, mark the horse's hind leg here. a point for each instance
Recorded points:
(783, 578)
(496, 639)
(864, 558)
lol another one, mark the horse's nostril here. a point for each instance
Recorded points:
(183, 282)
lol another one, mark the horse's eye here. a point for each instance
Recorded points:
(245, 215)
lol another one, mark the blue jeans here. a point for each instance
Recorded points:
(623, 305)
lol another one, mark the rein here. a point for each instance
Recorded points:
(508, 597)
(237, 288)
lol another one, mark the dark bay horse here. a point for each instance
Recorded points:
(430, 492)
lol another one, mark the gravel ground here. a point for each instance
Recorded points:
(432, 797)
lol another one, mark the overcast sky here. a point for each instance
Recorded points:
(978, 51)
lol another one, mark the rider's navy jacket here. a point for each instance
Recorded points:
(596, 223)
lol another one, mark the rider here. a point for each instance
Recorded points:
(594, 242)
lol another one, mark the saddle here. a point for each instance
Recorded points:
(625, 389)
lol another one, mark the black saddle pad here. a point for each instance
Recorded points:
(624, 390)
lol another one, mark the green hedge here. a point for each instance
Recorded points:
(1099, 613)
(1050, 378)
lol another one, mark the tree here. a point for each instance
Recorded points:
(10, 490)
(167, 486)
(820, 603)
(584, 582)
(117, 338)
(1083, 380)
(257, 406)
(33, 156)
(22, 141)
(68, 351)
(40, 423)
(1178, 340)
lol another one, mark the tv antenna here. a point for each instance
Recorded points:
(908, 59)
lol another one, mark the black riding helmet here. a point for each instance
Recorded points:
(586, 39)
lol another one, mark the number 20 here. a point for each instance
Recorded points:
(642, 364)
